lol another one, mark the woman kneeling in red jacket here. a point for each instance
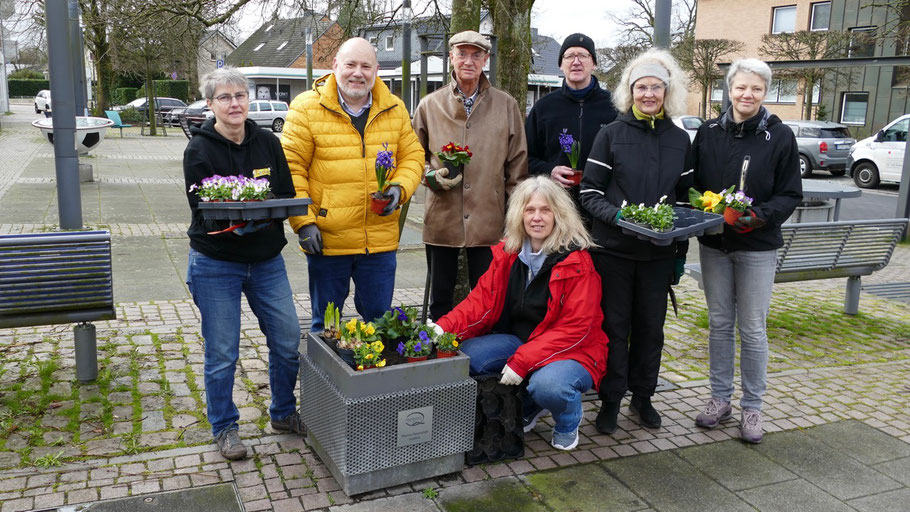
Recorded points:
(535, 314)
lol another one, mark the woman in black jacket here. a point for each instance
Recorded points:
(640, 158)
(750, 149)
(223, 263)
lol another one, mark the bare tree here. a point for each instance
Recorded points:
(638, 22)
(465, 15)
(612, 60)
(807, 45)
(512, 26)
(699, 58)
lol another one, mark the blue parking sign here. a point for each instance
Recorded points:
(219, 63)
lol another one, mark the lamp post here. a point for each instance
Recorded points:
(309, 58)
(406, 54)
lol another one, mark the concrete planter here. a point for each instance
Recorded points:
(89, 131)
(386, 426)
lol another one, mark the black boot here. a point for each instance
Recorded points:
(606, 417)
(647, 414)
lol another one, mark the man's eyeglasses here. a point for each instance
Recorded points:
(582, 57)
(654, 89)
(227, 99)
(476, 56)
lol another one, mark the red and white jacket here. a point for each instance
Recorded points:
(571, 328)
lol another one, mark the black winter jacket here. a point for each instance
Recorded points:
(772, 179)
(583, 118)
(259, 155)
(631, 161)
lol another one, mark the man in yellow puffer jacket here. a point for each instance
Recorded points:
(331, 138)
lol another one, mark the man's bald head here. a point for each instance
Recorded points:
(355, 68)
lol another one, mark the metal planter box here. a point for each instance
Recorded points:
(386, 426)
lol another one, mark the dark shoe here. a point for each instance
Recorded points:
(647, 414)
(292, 424)
(530, 419)
(230, 445)
(606, 417)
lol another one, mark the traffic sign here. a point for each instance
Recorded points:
(219, 63)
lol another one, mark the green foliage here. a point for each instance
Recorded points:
(821, 112)
(430, 493)
(49, 460)
(26, 87)
(131, 115)
(26, 73)
(179, 89)
(123, 95)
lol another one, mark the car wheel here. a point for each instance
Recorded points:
(865, 175)
(838, 172)
(37, 110)
(278, 125)
(805, 166)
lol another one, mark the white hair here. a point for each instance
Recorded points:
(749, 65)
(677, 87)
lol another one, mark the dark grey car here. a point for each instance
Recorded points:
(822, 145)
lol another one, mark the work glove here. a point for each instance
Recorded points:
(438, 330)
(748, 222)
(679, 268)
(509, 377)
(436, 180)
(252, 226)
(310, 239)
(618, 217)
(395, 192)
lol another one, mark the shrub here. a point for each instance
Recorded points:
(131, 116)
(27, 87)
(179, 89)
(26, 73)
(123, 95)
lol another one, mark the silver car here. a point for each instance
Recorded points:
(265, 113)
(822, 145)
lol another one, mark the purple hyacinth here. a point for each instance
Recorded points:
(384, 159)
(566, 140)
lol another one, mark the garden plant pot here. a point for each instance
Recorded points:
(378, 203)
(445, 353)
(576, 178)
(454, 170)
(731, 215)
(390, 425)
(347, 355)
(416, 359)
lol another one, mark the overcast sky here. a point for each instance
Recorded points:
(559, 18)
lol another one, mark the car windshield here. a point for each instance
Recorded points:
(692, 123)
(197, 104)
(837, 132)
(138, 102)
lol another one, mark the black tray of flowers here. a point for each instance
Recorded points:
(688, 223)
(255, 210)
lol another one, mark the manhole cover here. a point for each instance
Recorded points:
(220, 497)
(896, 291)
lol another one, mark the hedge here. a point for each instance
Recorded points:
(131, 115)
(123, 95)
(25, 87)
(179, 89)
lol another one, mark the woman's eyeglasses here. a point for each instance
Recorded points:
(227, 99)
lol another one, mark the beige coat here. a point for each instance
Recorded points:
(472, 214)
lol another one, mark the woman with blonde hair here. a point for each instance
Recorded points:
(642, 157)
(535, 313)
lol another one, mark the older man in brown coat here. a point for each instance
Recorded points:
(467, 210)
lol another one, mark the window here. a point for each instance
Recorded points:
(691, 123)
(897, 132)
(389, 43)
(782, 91)
(254, 107)
(265, 106)
(373, 42)
(784, 20)
(853, 110)
(820, 17)
(862, 42)
(282, 45)
(260, 45)
(717, 90)
(280, 107)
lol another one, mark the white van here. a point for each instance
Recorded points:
(880, 158)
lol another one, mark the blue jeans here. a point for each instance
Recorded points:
(556, 387)
(738, 292)
(330, 281)
(216, 286)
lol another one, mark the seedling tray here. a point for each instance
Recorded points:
(688, 223)
(255, 210)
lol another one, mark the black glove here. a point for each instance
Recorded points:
(395, 192)
(310, 239)
(748, 222)
(679, 269)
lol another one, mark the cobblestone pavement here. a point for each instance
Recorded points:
(140, 428)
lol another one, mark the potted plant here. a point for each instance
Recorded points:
(385, 164)
(709, 201)
(572, 150)
(242, 198)
(397, 324)
(661, 216)
(366, 349)
(446, 345)
(736, 205)
(418, 347)
(454, 158)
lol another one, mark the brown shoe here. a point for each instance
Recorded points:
(230, 445)
(292, 424)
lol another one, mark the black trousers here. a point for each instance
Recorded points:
(635, 307)
(443, 265)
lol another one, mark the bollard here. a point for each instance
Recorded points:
(86, 352)
(86, 173)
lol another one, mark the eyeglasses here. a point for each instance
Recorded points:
(227, 99)
(476, 56)
(582, 57)
(643, 89)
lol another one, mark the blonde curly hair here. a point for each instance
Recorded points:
(677, 87)
(569, 231)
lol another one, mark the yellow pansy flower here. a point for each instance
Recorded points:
(360, 367)
(380, 364)
(351, 326)
(369, 356)
(455, 343)
(378, 346)
(369, 329)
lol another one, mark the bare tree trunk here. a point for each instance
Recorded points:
(512, 23)
(465, 15)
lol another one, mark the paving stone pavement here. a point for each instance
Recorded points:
(141, 429)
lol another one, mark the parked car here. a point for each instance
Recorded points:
(43, 101)
(690, 124)
(880, 158)
(162, 105)
(822, 145)
(194, 111)
(266, 113)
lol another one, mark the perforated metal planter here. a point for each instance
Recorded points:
(386, 426)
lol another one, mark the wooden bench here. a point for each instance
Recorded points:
(58, 278)
(824, 250)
